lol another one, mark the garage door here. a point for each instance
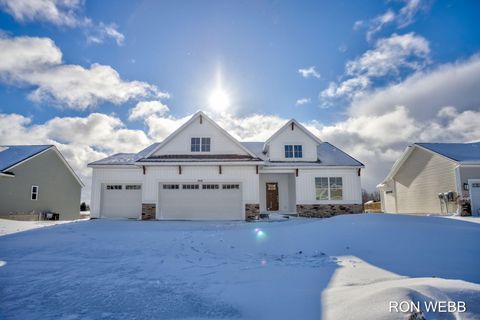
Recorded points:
(200, 201)
(121, 200)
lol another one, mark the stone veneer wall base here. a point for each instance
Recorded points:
(327, 210)
(252, 211)
(148, 211)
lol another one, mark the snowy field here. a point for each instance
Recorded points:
(347, 267)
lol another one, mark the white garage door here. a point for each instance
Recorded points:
(121, 200)
(200, 201)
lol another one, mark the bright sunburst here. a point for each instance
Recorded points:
(219, 100)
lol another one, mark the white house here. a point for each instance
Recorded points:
(426, 170)
(200, 172)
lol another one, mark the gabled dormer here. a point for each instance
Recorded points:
(200, 137)
(292, 142)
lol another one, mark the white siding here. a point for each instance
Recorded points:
(306, 193)
(276, 151)
(111, 175)
(419, 180)
(220, 143)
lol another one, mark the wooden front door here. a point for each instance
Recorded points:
(272, 196)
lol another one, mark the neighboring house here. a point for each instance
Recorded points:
(36, 179)
(427, 169)
(200, 172)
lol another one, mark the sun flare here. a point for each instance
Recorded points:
(219, 100)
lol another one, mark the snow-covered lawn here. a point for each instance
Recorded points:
(12, 226)
(347, 267)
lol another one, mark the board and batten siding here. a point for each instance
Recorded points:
(111, 175)
(276, 149)
(219, 142)
(419, 181)
(306, 192)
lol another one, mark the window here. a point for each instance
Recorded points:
(293, 151)
(321, 187)
(133, 187)
(114, 187)
(210, 186)
(190, 186)
(336, 188)
(297, 151)
(200, 144)
(205, 144)
(170, 186)
(329, 188)
(195, 146)
(34, 193)
(230, 186)
(288, 151)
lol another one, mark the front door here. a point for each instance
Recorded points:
(272, 196)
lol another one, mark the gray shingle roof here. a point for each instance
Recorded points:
(461, 152)
(13, 154)
(328, 155)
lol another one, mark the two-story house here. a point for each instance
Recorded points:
(201, 172)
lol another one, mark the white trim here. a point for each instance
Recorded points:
(36, 192)
(458, 181)
(7, 175)
(204, 118)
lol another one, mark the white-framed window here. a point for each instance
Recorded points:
(170, 186)
(133, 187)
(205, 144)
(200, 144)
(329, 188)
(190, 186)
(114, 187)
(230, 186)
(293, 151)
(34, 193)
(210, 186)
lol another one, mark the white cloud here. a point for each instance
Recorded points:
(145, 109)
(303, 101)
(38, 62)
(403, 18)
(66, 13)
(309, 72)
(388, 57)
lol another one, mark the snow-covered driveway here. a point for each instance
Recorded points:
(338, 268)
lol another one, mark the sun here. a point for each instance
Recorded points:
(219, 100)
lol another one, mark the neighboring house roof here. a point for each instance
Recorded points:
(460, 153)
(125, 158)
(13, 155)
(464, 153)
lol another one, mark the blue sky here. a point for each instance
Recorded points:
(321, 62)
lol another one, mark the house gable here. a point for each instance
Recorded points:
(200, 126)
(292, 133)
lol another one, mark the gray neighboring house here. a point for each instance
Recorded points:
(36, 179)
(425, 170)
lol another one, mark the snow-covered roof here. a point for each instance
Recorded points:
(464, 153)
(125, 158)
(13, 154)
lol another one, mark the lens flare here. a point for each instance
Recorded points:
(259, 233)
